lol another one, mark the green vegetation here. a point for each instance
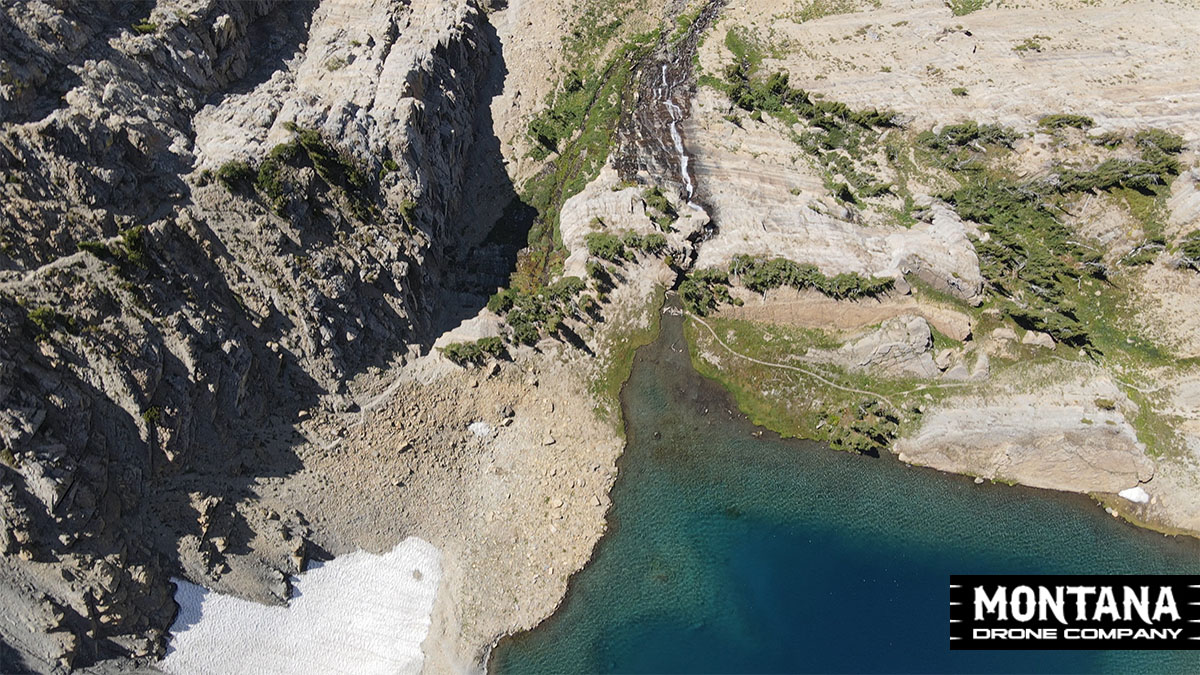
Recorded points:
(761, 275)
(1029, 258)
(1034, 264)
(656, 200)
(145, 27)
(152, 415)
(96, 248)
(811, 10)
(774, 94)
(475, 353)
(1109, 139)
(865, 426)
(270, 179)
(964, 7)
(958, 91)
(335, 63)
(747, 52)
(533, 315)
(578, 124)
(705, 289)
(615, 248)
(957, 137)
(1154, 169)
(46, 320)
(848, 419)
(127, 253)
(235, 175)
(1165, 141)
(1189, 250)
(1030, 44)
(605, 246)
(836, 136)
(1061, 121)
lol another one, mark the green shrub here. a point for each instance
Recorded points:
(145, 27)
(700, 298)
(1171, 144)
(531, 314)
(656, 200)
(408, 209)
(235, 175)
(654, 243)
(1154, 169)
(1189, 250)
(1061, 121)
(1029, 258)
(605, 246)
(46, 320)
(96, 248)
(133, 246)
(129, 251)
(502, 300)
(474, 353)
(964, 7)
(761, 275)
(958, 91)
(865, 427)
(1109, 139)
(956, 136)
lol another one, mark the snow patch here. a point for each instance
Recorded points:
(1135, 494)
(359, 613)
(480, 428)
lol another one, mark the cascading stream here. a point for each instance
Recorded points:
(651, 141)
(677, 115)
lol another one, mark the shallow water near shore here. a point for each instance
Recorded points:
(731, 550)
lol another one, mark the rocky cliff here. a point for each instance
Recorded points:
(215, 215)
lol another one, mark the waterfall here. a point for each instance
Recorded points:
(676, 115)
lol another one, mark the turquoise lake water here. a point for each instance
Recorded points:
(731, 550)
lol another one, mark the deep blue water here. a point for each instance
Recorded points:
(732, 550)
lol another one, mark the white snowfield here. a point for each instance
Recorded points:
(1135, 494)
(359, 613)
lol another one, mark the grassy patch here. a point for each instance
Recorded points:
(964, 7)
(613, 372)
(579, 125)
(794, 404)
(811, 10)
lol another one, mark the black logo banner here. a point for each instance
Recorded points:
(1074, 612)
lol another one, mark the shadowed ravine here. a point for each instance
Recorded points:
(732, 550)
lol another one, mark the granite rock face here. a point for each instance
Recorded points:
(164, 318)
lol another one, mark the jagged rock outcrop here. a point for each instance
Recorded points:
(166, 314)
(900, 346)
(1072, 434)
